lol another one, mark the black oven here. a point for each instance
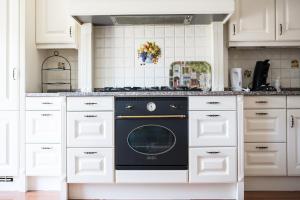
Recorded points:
(151, 133)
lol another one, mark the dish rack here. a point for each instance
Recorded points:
(56, 74)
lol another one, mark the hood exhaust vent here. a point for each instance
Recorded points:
(137, 12)
(151, 19)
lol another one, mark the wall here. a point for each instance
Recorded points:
(280, 60)
(116, 62)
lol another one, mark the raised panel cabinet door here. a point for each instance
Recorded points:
(213, 165)
(212, 128)
(9, 55)
(287, 20)
(90, 129)
(53, 24)
(43, 126)
(293, 142)
(265, 125)
(90, 165)
(9, 151)
(253, 20)
(265, 159)
(43, 159)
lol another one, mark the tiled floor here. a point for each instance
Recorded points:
(55, 196)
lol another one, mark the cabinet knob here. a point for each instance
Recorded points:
(213, 152)
(90, 103)
(213, 102)
(213, 115)
(281, 29)
(263, 102)
(70, 31)
(261, 113)
(234, 29)
(292, 121)
(14, 73)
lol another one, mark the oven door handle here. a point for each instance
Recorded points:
(150, 116)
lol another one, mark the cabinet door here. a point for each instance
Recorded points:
(43, 127)
(9, 54)
(293, 142)
(212, 128)
(53, 24)
(267, 125)
(265, 159)
(287, 19)
(90, 129)
(254, 20)
(213, 165)
(90, 165)
(9, 151)
(43, 159)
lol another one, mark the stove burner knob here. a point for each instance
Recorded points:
(173, 106)
(129, 107)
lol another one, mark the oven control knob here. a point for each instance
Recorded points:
(151, 106)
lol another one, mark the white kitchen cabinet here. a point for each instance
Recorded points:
(265, 159)
(9, 151)
(265, 125)
(44, 103)
(90, 165)
(90, 129)
(212, 128)
(213, 165)
(293, 142)
(253, 20)
(43, 159)
(212, 103)
(90, 104)
(264, 102)
(55, 28)
(287, 20)
(43, 127)
(9, 55)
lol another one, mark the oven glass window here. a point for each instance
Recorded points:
(151, 139)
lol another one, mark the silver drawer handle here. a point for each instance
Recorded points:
(213, 152)
(47, 103)
(292, 121)
(90, 116)
(46, 115)
(261, 113)
(90, 153)
(262, 147)
(90, 103)
(261, 101)
(129, 107)
(213, 115)
(213, 102)
(46, 148)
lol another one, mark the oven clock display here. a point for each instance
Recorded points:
(151, 106)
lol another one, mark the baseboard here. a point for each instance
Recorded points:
(272, 183)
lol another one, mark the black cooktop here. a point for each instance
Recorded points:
(143, 89)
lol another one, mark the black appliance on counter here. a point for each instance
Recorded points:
(260, 77)
(151, 133)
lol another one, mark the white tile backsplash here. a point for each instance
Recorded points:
(280, 60)
(116, 54)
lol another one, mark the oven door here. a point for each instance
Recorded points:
(151, 143)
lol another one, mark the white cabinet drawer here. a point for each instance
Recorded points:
(293, 102)
(265, 159)
(213, 165)
(90, 129)
(90, 165)
(212, 103)
(265, 125)
(43, 160)
(44, 103)
(212, 128)
(43, 127)
(90, 103)
(265, 102)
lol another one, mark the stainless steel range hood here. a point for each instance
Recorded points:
(136, 12)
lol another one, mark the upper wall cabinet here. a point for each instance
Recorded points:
(287, 17)
(265, 23)
(254, 20)
(54, 27)
(9, 54)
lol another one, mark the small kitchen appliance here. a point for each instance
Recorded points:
(236, 79)
(260, 77)
(151, 133)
